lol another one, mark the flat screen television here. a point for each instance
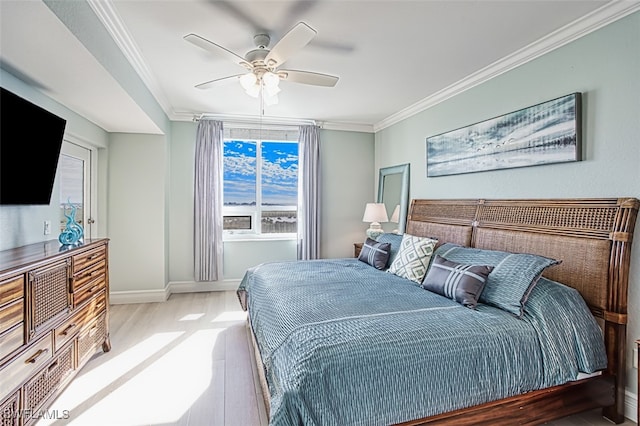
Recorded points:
(30, 143)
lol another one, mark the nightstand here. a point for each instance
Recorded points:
(357, 247)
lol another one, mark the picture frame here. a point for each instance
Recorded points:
(545, 133)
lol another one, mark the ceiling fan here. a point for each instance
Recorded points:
(263, 64)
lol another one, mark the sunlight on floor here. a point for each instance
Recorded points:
(92, 381)
(129, 402)
(231, 316)
(167, 371)
(191, 317)
(136, 407)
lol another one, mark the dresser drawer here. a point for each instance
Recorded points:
(86, 276)
(85, 293)
(11, 289)
(11, 340)
(25, 365)
(11, 314)
(48, 380)
(67, 330)
(91, 338)
(89, 258)
(10, 410)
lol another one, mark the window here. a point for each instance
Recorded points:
(260, 187)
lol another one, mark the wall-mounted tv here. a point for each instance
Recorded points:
(30, 143)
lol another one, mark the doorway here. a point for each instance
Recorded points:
(76, 179)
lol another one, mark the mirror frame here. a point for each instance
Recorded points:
(403, 170)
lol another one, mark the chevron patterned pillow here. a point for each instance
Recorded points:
(412, 260)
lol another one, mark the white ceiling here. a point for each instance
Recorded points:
(392, 57)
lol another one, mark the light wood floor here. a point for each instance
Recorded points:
(183, 362)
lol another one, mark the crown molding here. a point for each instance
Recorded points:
(346, 127)
(597, 19)
(107, 14)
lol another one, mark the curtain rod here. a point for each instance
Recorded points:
(248, 119)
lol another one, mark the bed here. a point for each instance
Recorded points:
(339, 341)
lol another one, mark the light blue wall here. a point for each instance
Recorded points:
(347, 185)
(136, 213)
(605, 67)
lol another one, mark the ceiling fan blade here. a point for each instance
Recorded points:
(216, 48)
(307, 77)
(217, 81)
(234, 11)
(297, 38)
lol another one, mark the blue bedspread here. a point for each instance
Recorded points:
(346, 344)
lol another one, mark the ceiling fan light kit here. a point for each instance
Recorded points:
(264, 76)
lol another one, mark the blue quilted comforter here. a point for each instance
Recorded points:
(345, 344)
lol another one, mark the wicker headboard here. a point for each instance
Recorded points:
(592, 237)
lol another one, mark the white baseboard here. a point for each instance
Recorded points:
(195, 287)
(631, 405)
(153, 296)
(142, 296)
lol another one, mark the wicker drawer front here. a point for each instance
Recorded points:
(9, 410)
(11, 289)
(48, 380)
(25, 365)
(88, 258)
(87, 292)
(89, 339)
(11, 340)
(50, 296)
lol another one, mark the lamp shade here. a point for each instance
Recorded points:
(395, 216)
(375, 212)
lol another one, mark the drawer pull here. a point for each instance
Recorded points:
(37, 355)
(53, 365)
(92, 289)
(93, 331)
(67, 330)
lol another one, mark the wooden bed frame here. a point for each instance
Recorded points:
(593, 239)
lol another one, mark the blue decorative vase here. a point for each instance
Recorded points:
(73, 233)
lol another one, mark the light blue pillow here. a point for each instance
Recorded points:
(394, 240)
(513, 277)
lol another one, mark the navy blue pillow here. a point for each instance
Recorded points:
(457, 281)
(375, 254)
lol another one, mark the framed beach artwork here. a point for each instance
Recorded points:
(549, 132)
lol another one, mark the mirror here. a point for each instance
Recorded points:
(393, 191)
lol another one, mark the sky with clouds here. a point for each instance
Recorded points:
(279, 173)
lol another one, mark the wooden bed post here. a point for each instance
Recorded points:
(616, 314)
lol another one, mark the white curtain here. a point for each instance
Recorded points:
(309, 193)
(208, 201)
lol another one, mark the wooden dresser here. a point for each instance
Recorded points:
(54, 315)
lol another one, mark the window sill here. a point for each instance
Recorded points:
(254, 237)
